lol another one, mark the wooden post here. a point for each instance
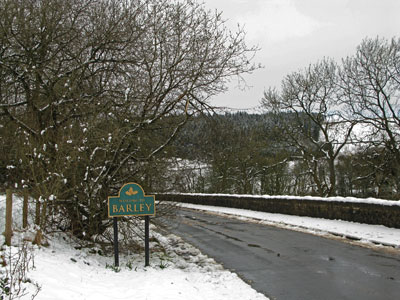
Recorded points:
(25, 210)
(8, 231)
(37, 212)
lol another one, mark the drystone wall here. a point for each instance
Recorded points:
(361, 212)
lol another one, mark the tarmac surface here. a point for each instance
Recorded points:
(290, 265)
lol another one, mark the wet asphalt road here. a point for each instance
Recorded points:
(290, 265)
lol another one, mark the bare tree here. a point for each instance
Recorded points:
(370, 82)
(312, 123)
(90, 84)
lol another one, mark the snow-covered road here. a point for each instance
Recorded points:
(365, 233)
(293, 264)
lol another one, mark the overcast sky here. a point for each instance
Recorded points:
(295, 33)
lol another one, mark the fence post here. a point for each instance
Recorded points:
(8, 231)
(25, 210)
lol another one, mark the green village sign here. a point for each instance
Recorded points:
(131, 201)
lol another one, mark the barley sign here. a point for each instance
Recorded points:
(131, 201)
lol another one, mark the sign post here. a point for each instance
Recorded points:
(146, 240)
(131, 201)
(116, 251)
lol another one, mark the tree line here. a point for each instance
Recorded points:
(355, 105)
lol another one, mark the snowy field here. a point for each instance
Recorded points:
(177, 271)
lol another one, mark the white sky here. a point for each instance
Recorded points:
(295, 33)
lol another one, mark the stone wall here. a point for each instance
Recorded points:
(370, 213)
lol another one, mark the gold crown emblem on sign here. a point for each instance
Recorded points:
(131, 192)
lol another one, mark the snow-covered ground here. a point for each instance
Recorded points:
(181, 273)
(177, 271)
